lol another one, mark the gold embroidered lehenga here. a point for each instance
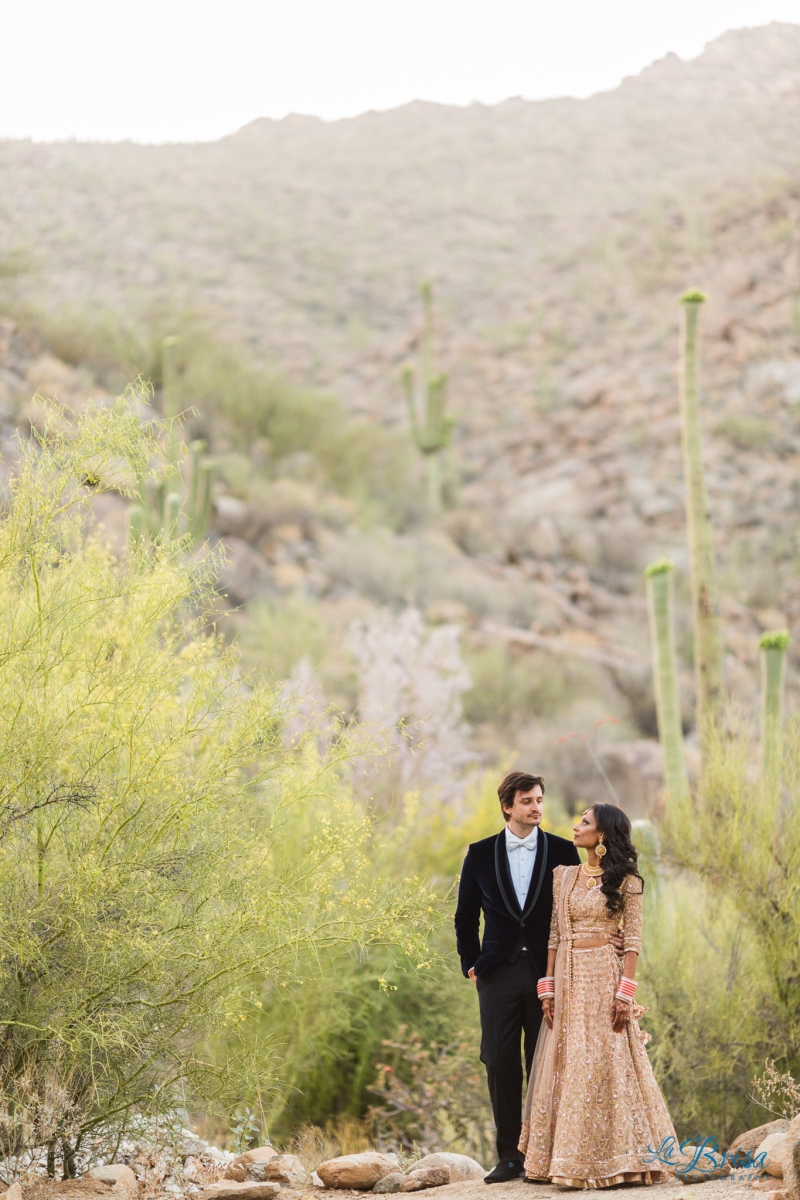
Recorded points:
(594, 1113)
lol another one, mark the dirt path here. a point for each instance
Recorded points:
(717, 1189)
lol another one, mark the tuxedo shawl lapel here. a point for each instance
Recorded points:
(503, 873)
(538, 875)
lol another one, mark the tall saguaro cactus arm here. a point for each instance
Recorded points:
(659, 592)
(774, 645)
(708, 645)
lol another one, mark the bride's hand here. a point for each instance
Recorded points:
(620, 1015)
(547, 1010)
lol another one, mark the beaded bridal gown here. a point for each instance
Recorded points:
(594, 1113)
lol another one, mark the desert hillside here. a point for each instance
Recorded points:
(558, 236)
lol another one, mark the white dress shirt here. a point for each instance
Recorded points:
(521, 857)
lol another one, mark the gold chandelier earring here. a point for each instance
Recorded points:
(600, 849)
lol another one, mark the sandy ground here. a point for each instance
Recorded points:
(717, 1189)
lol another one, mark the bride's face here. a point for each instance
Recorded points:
(585, 832)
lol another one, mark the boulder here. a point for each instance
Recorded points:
(286, 1169)
(13, 1193)
(238, 1169)
(428, 1177)
(357, 1171)
(121, 1177)
(462, 1167)
(709, 1166)
(791, 1160)
(772, 1148)
(749, 1141)
(231, 1189)
(389, 1183)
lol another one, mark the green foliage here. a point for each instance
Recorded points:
(169, 859)
(431, 1097)
(278, 635)
(509, 689)
(224, 393)
(746, 433)
(703, 982)
(740, 834)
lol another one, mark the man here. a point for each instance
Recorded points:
(509, 877)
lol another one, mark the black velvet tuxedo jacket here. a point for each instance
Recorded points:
(486, 885)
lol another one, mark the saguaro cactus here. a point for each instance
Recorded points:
(668, 708)
(201, 476)
(774, 646)
(432, 428)
(707, 645)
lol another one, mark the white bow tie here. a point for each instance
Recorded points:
(519, 845)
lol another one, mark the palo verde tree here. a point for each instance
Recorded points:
(707, 641)
(668, 707)
(152, 880)
(431, 427)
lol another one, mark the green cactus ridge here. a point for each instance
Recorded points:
(693, 296)
(775, 639)
(665, 675)
(660, 567)
(708, 642)
(774, 645)
(431, 428)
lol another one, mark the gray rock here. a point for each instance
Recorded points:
(791, 1160)
(389, 1183)
(749, 1141)
(461, 1166)
(426, 1177)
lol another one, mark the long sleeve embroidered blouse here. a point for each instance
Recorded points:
(589, 915)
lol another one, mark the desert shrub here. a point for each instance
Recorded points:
(509, 689)
(739, 833)
(277, 635)
(171, 861)
(246, 402)
(431, 1097)
(703, 983)
(745, 433)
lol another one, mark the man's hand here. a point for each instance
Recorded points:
(473, 976)
(618, 942)
(620, 1015)
(548, 1004)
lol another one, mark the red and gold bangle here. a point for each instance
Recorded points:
(546, 987)
(627, 989)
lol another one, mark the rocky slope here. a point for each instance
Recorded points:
(558, 236)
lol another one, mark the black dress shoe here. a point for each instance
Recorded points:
(529, 1180)
(505, 1170)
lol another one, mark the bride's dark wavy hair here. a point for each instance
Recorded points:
(620, 858)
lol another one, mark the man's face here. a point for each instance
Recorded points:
(527, 809)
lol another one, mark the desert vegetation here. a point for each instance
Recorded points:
(275, 621)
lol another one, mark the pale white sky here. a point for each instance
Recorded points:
(168, 70)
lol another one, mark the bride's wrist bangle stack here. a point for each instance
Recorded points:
(626, 990)
(546, 987)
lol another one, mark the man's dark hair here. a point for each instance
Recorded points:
(517, 781)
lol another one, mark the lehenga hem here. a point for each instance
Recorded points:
(645, 1178)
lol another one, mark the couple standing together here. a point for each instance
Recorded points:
(557, 965)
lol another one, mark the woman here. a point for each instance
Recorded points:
(594, 1112)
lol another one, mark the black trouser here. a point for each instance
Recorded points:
(509, 1006)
